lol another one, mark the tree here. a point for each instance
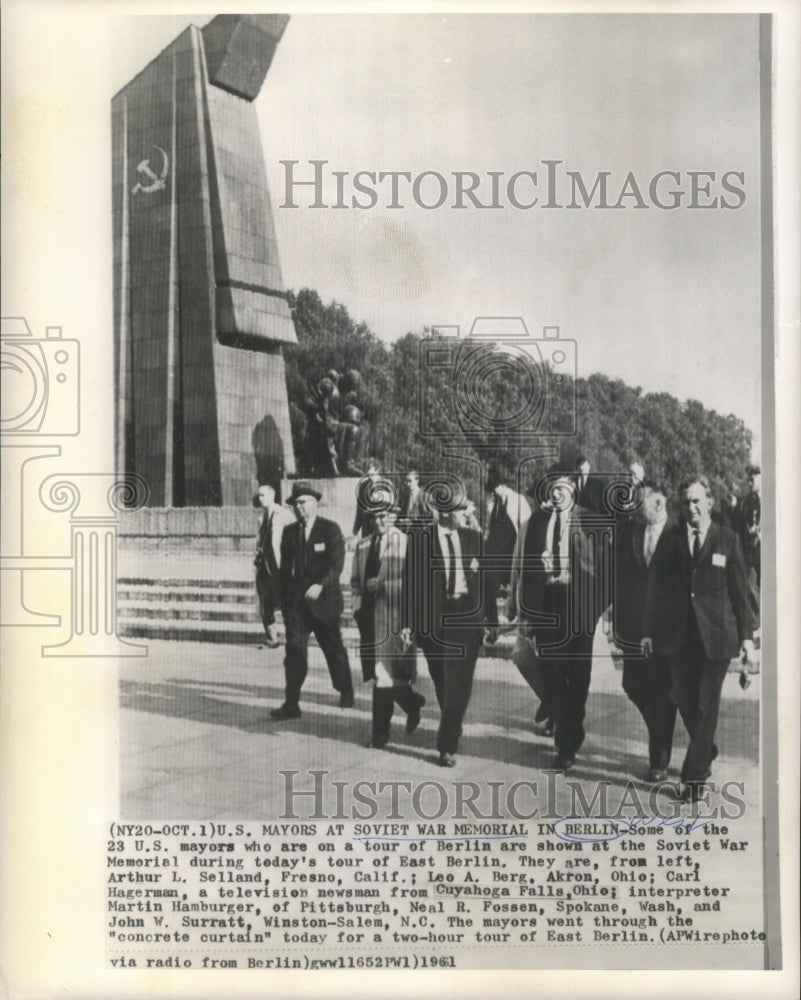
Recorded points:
(418, 412)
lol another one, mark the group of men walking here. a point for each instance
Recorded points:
(425, 577)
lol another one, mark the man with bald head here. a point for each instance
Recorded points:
(646, 682)
(696, 617)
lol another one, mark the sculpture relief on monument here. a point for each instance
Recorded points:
(200, 311)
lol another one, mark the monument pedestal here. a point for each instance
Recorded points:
(220, 531)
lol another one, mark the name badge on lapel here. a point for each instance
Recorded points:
(319, 546)
(719, 559)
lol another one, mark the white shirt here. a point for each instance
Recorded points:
(381, 547)
(278, 518)
(564, 541)
(652, 535)
(516, 506)
(460, 584)
(702, 531)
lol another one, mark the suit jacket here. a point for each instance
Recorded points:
(414, 510)
(731, 516)
(752, 519)
(429, 618)
(507, 515)
(591, 496)
(533, 575)
(631, 580)
(382, 615)
(320, 560)
(715, 590)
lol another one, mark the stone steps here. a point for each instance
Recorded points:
(193, 609)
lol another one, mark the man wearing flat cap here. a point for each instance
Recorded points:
(380, 583)
(312, 557)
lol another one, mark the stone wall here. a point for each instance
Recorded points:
(222, 530)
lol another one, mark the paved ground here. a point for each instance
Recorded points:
(197, 741)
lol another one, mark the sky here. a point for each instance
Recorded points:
(665, 299)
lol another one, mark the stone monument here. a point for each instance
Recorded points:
(200, 311)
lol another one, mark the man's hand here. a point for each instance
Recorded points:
(314, 592)
(647, 646)
(406, 637)
(532, 641)
(371, 585)
(747, 651)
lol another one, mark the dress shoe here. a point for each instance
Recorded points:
(285, 712)
(563, 762)
(413, 718)
(346, 699)
(447, 760)
(376, 743)
(693, 791)
(657, 774)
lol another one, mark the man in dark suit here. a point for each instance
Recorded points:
(645, 681)
(752, 544)
(312, 557)
(508, 512)
(696, 617)
(731, 512)
(365, 499)
(589, 487)
(415, 510)
(268, 557)
(448, 618)
(557, 610)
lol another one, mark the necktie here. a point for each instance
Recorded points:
(373, 564)
(451, 583)
(556, 545)
(496, 512)
(696, 544)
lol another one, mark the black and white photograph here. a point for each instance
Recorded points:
(397, 553)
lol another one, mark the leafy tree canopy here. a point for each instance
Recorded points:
(456, 413)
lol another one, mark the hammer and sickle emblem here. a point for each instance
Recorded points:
(155, 183)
